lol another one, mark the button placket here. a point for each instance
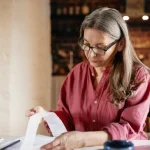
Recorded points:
(93, 121)
(95, 102)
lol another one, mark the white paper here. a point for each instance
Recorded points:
(91, 148)
(55, 124)
(141, 142)
(30, 135)
(1, 139)
(39, 141)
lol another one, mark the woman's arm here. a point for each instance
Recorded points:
(96, 138)
(76, 139)
(132, 120)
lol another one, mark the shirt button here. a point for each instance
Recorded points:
(94, 120)
(95, 102)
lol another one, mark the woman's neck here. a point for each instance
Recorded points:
(99, 70)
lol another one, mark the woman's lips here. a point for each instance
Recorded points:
(94, 61)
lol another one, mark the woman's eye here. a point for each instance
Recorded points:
(85, 47)
(87, 44)
(97, 47)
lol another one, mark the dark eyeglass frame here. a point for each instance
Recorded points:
(104, 49)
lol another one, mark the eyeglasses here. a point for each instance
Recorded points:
(97, 50)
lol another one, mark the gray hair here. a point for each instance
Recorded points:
(110, 21)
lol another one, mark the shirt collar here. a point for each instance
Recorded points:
(107, 69)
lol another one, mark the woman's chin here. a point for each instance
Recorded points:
(94, 64)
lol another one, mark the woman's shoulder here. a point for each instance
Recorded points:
(141, 72)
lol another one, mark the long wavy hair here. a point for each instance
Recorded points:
(122, 73)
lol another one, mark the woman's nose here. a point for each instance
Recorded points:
(92, 53)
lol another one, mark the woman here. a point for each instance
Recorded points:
(107, 96)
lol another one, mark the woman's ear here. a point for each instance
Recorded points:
(121, 45)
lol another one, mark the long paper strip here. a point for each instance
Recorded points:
(55, 124)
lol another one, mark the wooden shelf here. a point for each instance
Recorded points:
(65, 28)
(67, 17)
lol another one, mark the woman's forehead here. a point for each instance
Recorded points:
(96, 36)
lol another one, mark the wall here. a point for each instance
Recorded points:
(5, 48)
(25, 67)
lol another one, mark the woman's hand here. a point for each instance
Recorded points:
(35, 110)
(66, 141)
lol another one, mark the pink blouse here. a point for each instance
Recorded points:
(83, 108)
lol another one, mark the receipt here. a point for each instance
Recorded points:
(55, 124)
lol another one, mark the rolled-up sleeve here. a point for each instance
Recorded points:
(132, 120)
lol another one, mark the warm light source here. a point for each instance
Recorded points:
(145, 17)
(125, 17)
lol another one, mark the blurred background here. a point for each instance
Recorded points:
(66, 17)
(38, 47)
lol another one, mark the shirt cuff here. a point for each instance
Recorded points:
(116, 131)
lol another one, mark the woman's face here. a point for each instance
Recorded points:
(99, 39)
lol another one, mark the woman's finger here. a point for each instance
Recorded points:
(33, 111)
(56, 143)
(38, 109)
(29, 113)
(58, 147)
